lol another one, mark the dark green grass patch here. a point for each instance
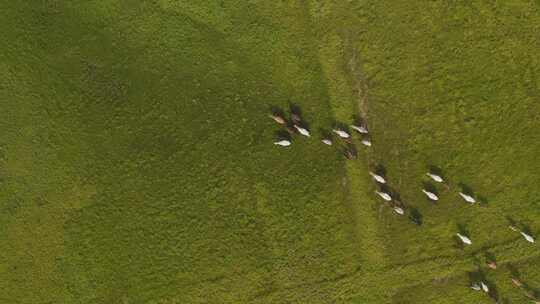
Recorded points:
(158, 116)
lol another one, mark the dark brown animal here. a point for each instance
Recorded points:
(290, 129)
(529, 294)
(296, 118)
(517, 282)
(492, 264)
(349, 154)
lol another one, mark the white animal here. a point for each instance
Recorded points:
(341, 133)
(467, 198)
(327, 141)
(485, 288)
(283, 143)
(435, 177)
(360, 129)
(529, 238)
(302, 131)
(378, 178)
(476, 287)
(464, 239)
(366, 142)
(385, 196)
(399, 210)
(432, 196)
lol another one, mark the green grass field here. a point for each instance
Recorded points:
(137, 164)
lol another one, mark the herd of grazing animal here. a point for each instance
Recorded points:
(295, 125)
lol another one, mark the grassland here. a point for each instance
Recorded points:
(136, 163)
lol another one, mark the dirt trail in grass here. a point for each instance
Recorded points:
(361, 203)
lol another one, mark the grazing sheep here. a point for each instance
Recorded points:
(464, 239)
(432, 196)
(302, 131)
(385, 196)
(277, 118)
(416, 219)
(378, 178)
(399, 210)
(467, 198)
(435, 177)
(527, 237)
(341, 133)
(485, 288)
(366, 142)
(283, 143)
(360, 129)
(327, 141)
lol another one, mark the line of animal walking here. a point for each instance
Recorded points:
(296, 125)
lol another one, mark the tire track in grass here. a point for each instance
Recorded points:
(383, 284)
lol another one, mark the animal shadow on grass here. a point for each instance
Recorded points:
(435, 170)
(466, 189)
(385, 188)
(430, 187)
(514, 272)
(297, 117)
(275, 110)
(325, 134)
(296, 114)
(482, 200)
(341, 126)
(396, 196)
(304, 124)
(415, 216)
(295, 109)
(490, 257)
(511, 221)
(282, 134)
(349, 151)
(476, 276)
(493, 291)
(358, 120)
(463, 229)
(458, 244)
(380, 170)
(526, 229)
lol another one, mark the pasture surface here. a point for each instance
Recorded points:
(137, 165)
